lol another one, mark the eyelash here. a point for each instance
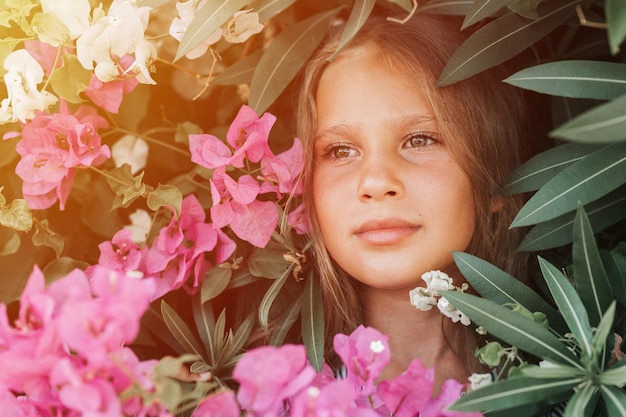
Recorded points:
(430, 139)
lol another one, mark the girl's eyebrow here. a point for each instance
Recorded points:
(336, 130)
(417, 120)
(404, 121)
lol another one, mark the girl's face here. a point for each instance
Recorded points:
(391, 200)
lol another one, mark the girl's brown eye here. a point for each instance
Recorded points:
(341, 152)
(420, 140)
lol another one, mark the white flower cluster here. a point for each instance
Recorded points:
(426, 298)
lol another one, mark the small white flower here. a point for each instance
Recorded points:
(480, 380)
(377, 346)
(450, 311)
(421, 299)
(140, 226)
(243, 25)
(186, 12)
(437, 281)
(131, 150)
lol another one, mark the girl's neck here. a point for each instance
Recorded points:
(412, 334)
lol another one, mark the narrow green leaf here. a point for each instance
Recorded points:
(269, 297)
(288, 319)
(583, 401)
(554, 371)
(538, 170)
(582, 182)
(502, 39)
(481, 9)
(602, 124)
(500, 287)
(405, 4)
(165, 195)
(206, 21)
(284, 57)
(559, 231)
(204, 318)
(525, 8)
(570, 305)
(578, 79)
(447, 7)
(153, 321)
(602, 334)
(240, 72)
(513, 392)
(214, 282)
(615, 263)
(589, 274)
(181, 332)
(616, 22)
(269, 8)
(313, 322)
(615, 375)
(242, 333)
(513, 328)
(361, 10)
(615, 400)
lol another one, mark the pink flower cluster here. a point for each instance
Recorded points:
(52, 147)
(278, 381)
(236, 201)
(175, 255)
(66, 347)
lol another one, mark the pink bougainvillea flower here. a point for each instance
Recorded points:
(364, 353)
(222, 404)
(46, 54)
(450, 392)
(51, 147)
(268, 375)
(281, 173)
(120, 253)
(406, 394)
(298, 221)
(208, 151)
(248, 135)
(337, 399)
(109, 95)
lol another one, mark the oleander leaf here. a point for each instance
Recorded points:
(204, 318)
(576, 78)
(602, 124)
(206, 21)
(269, 8)
(502, 39)
(447, 7)
(313, 322)
(405, 4)
(269, 297)
(583, 401)
(590, 276)
(615, 374)
(616, 23)
(496, 285)
(513, 328)
(481, 9)
(614, 399)
(361, 10)
(284, 57)
(538, 170)
(240, 72)
(180, 330)
(582, 182)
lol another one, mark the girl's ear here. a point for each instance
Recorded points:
(497, 203)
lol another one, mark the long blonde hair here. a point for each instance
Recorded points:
(482, 112)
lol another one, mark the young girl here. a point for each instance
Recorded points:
(400, 174)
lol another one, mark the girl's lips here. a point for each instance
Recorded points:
(385, 231)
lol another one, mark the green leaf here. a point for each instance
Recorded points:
(71, 79)
(581, 182)
(214, 282)
(602, 124)
(616, 23)
(570, 305)
(502, 39)
(126, 187)
(447, 7)
(204, 319)
(268, 262)
(361, 10)
(513, 392)
(554, 371)
(615, 374)
(481, 9)
(538, 170)
(61, 267)
(615, 263)
(602, 334)
(513, 328)
(589, 274)
(206, 21)
(500, 287)
(181, 332)
(405, 4)
(559, 231)
(269, 297)
(287, 320)
(615, 400)
(9, 242)
(284, 57)
(269, 8)
(240, 72)
(579, 79)
(525, 8)
(17, 216)
(313, 322)
(44, 236)
(583, 401)
(165, 196)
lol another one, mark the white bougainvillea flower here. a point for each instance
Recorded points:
(244, 24)
(186, 12)
(118, 33)
(437, 281)
(422, 299)
(480, 380)
(450, 311)
(141, 222)
(73, 15)
(23, 76)
(130, 150)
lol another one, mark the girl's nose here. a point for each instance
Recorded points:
(379, 179)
